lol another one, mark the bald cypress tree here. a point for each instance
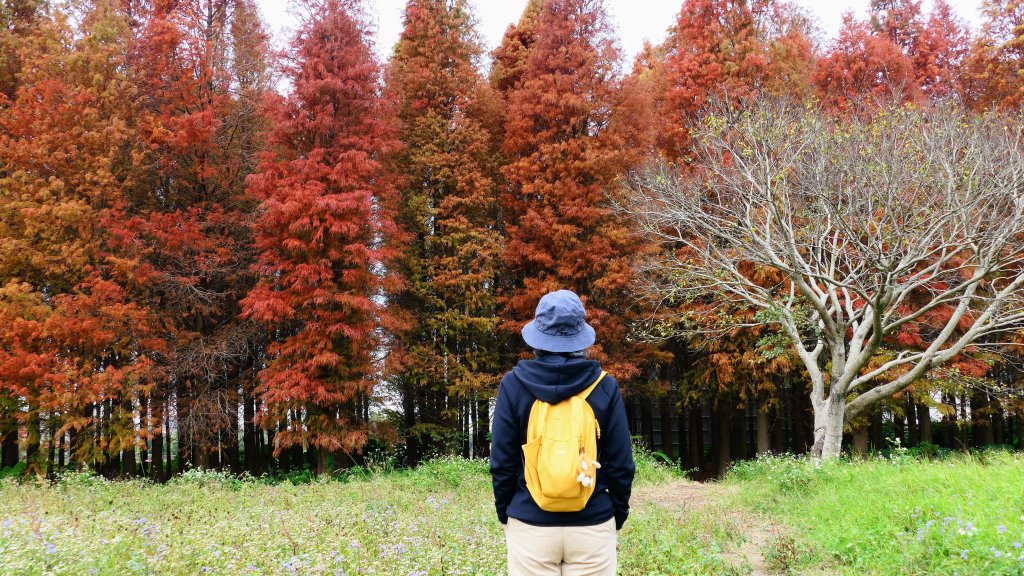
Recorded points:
(323, 238)
(448, 209)
(720, 48)
(568, 138)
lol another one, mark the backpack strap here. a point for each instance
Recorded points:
(590, 389)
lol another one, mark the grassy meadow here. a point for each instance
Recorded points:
(437, 519)
(960, 515)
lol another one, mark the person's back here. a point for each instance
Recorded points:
(542, 542)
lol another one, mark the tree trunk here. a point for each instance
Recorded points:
(200, 457)
(61, 448)
(467, 427)
(913, 433)
(128, 463)
(964, 419)
(647, 423)
(899, 428)
(251, 454)
(682, 438)
(778, 430)
(988, 422)
(112, 462)
(231, 452)
(265, 436)
(996, 422)
(422, 416)
(156, 468)
(483, 427)
(165, 414)
(739, 433)
(764, 431)
(145, 432)
(721, 439)
(1020, 431)
(876, 435)
(667, 446)
(860, 441)
(320, 468)
(9, 446)
(284, 457)
(802, 414)
(979, 424)
(296, 454)
(51, 442)
(462, 428)
(217, 451)
(924, 422)
(949, 421)
(183, 440)
(695, 437)
(472, 419)
(828, 427)
(32, 439)
(311, 457)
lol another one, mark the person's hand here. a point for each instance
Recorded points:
(504, 527)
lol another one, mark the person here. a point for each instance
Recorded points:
(567, 543)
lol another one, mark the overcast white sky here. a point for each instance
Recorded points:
(636, 19)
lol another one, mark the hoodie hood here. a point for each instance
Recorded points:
(553, 378)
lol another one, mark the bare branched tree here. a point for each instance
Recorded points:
(911, 219)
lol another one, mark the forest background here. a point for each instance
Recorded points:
(214, 254)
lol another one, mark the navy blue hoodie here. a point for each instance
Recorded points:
(553, 378)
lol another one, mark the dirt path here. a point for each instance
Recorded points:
(693, 496)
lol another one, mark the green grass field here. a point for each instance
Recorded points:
(963, 515)
(437, 519)
(959, 515)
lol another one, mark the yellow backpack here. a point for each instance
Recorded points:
(560, 452)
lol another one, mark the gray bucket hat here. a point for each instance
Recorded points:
(559, 324)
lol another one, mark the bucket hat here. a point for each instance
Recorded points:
(559, 324)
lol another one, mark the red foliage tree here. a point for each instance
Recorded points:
(327, 204)
(996, 56)
(941, 53)
(448, 206)
(897, 20)
(200, 68)
(936, 46)
(19, 19)
(509, 58)
(729, 48)
(736, 50)
(568, 138)
(896, 53)
(73, 337)
(863, 68)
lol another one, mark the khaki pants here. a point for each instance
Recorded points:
(561, 551)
